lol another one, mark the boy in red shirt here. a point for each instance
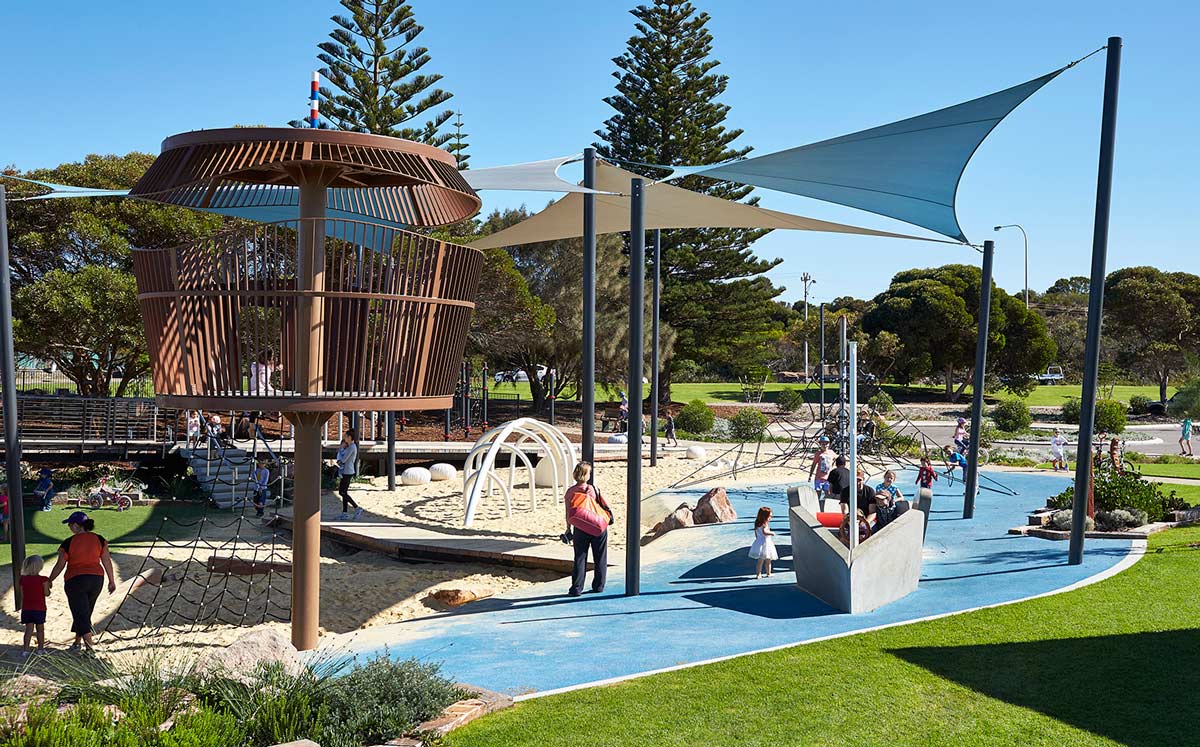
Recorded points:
(34, 587)
(926, 475)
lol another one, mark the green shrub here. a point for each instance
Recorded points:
(988, 434)
(1140, 517)
(695, 417)
(1012, 416)
(748, 425)
(1128, 491)
(686, 371)
(204, 729)
(790, 400)
(1139, 404)
(1110, 416)
(1187, 400)
(1070, 410)
(1114, 521)
(384, 699)
(881, 402)
(1061, 520)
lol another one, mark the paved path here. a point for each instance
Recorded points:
(700, 600)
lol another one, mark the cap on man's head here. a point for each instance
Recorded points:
(76, 518)
(823, 439)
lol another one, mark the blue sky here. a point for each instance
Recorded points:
(529, 77)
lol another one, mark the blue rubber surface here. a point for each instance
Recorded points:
(700, 599)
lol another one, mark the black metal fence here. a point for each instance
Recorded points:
(38, 382)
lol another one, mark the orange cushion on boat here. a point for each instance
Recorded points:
(829, 519)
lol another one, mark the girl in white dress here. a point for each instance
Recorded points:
(763, 550)
(1058, 458)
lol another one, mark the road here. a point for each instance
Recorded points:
(942, 432)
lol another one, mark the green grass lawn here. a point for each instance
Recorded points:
(731, 392)
(1115, 663)
(140, 524)
(1190, 471)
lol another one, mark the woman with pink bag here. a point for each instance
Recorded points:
(588, 517)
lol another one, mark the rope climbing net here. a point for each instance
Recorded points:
(203, 573)
(790, 440)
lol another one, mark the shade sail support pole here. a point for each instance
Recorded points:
(654, 347)
(587, 375)
(971, 471)
(633, 453)
(1091, 358)
(8, 380)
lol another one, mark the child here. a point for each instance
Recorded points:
(1058, 458)
(960, 435)
(262, 487)
(4, 509)
(864, 528)
(34, 587)
(763, 550)
(193, 429)
(1185, 437)
(669, 431)
(954, 459)
(45, 488)
(822, 464)
(926, 475)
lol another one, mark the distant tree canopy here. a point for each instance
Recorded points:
(1153, 321)
(68, 234)
(667, 110)
(933, 314)
(376, 70)
(87, 322)
(75, 299)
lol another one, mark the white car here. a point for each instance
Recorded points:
(517, 374)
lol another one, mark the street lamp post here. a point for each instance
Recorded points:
(807, 280)
(1022, 230)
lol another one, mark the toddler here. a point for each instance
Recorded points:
(34, 587)
(763, 550)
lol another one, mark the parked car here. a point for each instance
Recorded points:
(1053, 375)
(1161, 408)
(517, 374)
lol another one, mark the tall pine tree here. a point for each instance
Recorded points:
(667, 113)
(376, 71)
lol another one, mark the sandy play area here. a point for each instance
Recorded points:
(362, 589)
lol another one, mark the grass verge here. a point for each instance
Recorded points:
(44, 531)
(1114, 663)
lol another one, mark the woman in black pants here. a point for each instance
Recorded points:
(588, 517)
(347, 463)
(84, 556)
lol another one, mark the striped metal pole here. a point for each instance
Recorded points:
(314, 101)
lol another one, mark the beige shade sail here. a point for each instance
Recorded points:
(667, 206)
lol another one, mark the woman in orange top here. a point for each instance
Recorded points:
(588, 517)
(84, 556)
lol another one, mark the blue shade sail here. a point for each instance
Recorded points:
(908, 170)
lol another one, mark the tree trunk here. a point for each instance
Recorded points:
(950, 384)
(664, 386)
(1162, 386)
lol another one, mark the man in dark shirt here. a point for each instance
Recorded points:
(839, 482)
(866, 495)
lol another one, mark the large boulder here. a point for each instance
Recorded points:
(442, 471)
(714, 508)
(27, 687)
(679, 518)
(459, 597)
(241, 657)
(695, 452)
